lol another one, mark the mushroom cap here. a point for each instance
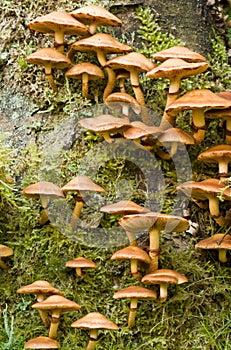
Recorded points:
(42, 188)
(216, 154)
(219, 113)
(176, 135)
(39, 287)
(42, 343)
(104, 42)
(131, 253)
(178, 52)
(96, 14)
(81, 183)
(95, 320)
(122, 98)
(176, 67)
(93, 71)
(139, 129)
(139, 222)
(217, 241)
(50, 56)
(123, 207)
(56, 302)
(197, 99)
(165, 276)
(202, 190)
(81, 262)
(132, 60)
(104, 122)
(58, 21)
(5, 251)
(135, 292)
(225, 94)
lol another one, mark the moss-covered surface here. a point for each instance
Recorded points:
(196, 314)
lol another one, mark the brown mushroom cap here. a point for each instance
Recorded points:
(56, 302)
(139, 129)
(163, 275)
(95, 16)
(39, 287)
(82, 263)
(132, 60)
(105, 122)
(58, 21)
(123, 97)
(176, 135)
(49, 56)
(178, 52)
(136, 292)
(42, 343)
(81, 183)
(216, 154)
(5, 251)
(42, 188)
(93, 71)
(131, 253)
(217, 241)
(123, 207)
(95, 320)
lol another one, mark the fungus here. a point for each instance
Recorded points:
(85, 71)
(94, 321)
(124, 101)
(220, 242)
(42, 343)
(40, 288)
(121, 76)
(163, 277)
(80, 184)
(178, 52)
(58, 23)
(225, 115)
(44, 190)
(4, 252)
(56, 304)
(134, 293)
(95, 16)
(49, 58)
(79, 264)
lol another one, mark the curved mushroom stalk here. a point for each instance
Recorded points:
(215, 211)
(167, 155)
(111, 81)
(50, 78)
(76, 213)
(199, 125)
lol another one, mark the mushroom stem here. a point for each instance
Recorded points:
(55, 316)
(59, 41)
(198, 125)
(228, 131)
(223, 166)
(168, 155)
(107, 137)
(3, 265)
(135, 83)
(76, 213)
(134, 269)
(222, 255)
(85, 85)
(163, 292)
(44, 213)
(49, 77)
(154, 247)
(215, 211)
(111, 80)
(79, 271)
(93, 339)
(42, 313)
(132, 312)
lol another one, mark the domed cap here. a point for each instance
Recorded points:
(49, 56)
(123, 207)
(93, 71)
(39, 287)
(95, 320)
(178, 52)
(165, 276)
(42, 343)
(216, 153)
(176, 135)
(42, 188)
(136, 292)
(104, 122)
(81, 183)
(132, 60)
(217, 241)
(139, 129)
(131, 253)
(81, 262)
(56, 302)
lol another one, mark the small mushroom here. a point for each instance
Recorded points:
(4, 252)
(42, 343)
(80, 184)
(94, 321)
(220, 242)
(134, 293)
(178, 51)
(56, 304)
(124, 101)
(44, 190)
(79, 264)
(163, 277)
(134, 254)
(49, 58)
(40, 288)
(225, 115)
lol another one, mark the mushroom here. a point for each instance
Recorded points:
(135, 63)
(58, 23)
(209, 189)
(40, 288)
(85, 71)
(198, 101)
(94, 321)
(4, 252)
(220, 242)
(224, 114)
(155, 223)
(80, 184)
(95, 16)
(56, 304)
(175, 69)
(79, 264)
(178, 51)
(124, 208)
(220, 154)
(134, 293)
(44, 190)
(163, 277)
(42, 343)
(124, 101)
(121, 76)
(142, 134)
(101, 44)
(106, 124)
(134, 254)
(49, 58)
(173, 138)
